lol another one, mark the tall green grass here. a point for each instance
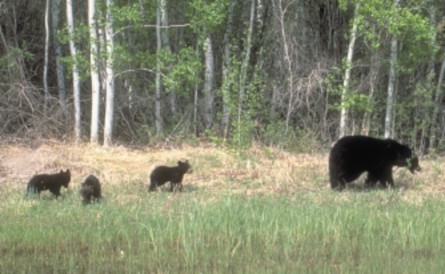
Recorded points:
(307, 232)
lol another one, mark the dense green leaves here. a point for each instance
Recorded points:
(207, 15)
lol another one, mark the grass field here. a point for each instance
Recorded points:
(261, 211)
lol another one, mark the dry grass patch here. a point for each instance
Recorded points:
(256, 171)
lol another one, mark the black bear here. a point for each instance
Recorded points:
(162, 174)
(51, 182)
(90, 189)
(353, 155)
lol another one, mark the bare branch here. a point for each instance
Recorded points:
(151, 26)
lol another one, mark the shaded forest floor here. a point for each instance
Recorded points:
(216, 170)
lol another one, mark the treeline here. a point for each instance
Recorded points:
(278, 72)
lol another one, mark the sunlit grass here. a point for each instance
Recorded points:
(364, 232)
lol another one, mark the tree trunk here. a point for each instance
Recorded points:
(391, 90)
(109, 104)
(389, 119)
(366, 126)
(288, 57)
(166, 43)
(208, 82)
(438, 97)
(76, 79)
(195, 110)
(423, 143)
(344, 95)
(226, 70)
(244, 67)
(60, 71)
(245, 64)
(159, 126)
(94, 73)
(45, 66)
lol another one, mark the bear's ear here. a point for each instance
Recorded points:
(179, 163)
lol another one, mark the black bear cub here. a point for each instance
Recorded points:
(353, 155)
(162, 174)
(90, 189)
(51, 182)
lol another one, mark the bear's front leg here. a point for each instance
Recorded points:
(175, 187)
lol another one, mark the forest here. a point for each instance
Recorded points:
(277, 72)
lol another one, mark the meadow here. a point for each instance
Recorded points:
(264, 210)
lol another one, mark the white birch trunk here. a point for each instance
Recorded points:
(94, 73)
(45, 66)
(195, 109)
(366, 126)
(347, 78)
(391, 89)
(391, 85)
(208, 82)
(76, 79)
(109, 103)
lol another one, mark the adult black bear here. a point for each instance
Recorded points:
(51, 182)
(90, 189)
(162, 174)
(353, 155)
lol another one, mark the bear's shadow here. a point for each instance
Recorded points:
(186, 189)
(359, 184)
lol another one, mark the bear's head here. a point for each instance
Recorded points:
(413, 164)
(65, 177)
(185, 167)
(405, 157)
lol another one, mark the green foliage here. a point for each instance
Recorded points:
(10, 60)
(411, 28)
(207, 15)
(128, 15)
(243, 131)
(247, 116)
(354, 100)
(297, 140)
(82, 62)
(274, 134)
(80, 38)
(80, 35)
(183, 70)
(146, 134)
(413, 112)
